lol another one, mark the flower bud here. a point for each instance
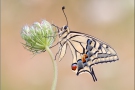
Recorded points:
(38, 36)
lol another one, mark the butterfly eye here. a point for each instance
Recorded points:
(65, 27)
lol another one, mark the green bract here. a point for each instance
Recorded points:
(38, 36)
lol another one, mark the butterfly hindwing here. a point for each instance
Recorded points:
(97, 51)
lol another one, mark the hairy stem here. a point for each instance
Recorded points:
(54, 68)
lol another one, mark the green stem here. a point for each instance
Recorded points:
(54, 67)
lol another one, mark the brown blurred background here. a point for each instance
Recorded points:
(109, 20)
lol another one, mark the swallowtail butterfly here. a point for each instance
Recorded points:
(86, 50)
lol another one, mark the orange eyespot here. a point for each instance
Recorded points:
(74, 66)
(84, 57)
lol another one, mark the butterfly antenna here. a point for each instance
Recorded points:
(65, 14)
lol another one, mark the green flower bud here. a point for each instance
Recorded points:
(38, 36)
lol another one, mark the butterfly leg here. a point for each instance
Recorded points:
(54, 45)
(93, 74)
(57, 53)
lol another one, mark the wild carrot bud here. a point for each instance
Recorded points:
(39, 36)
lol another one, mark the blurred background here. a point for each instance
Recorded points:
(109, 20)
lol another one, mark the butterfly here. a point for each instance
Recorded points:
(86, 50)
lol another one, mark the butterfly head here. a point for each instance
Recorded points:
(63, 31)
(65, 28)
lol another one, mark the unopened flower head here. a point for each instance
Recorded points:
(38, 36)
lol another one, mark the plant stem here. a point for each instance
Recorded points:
(54, 68)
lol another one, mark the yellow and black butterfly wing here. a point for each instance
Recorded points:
(96, 50)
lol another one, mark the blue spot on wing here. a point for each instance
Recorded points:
(89, 42)
(80, 64)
